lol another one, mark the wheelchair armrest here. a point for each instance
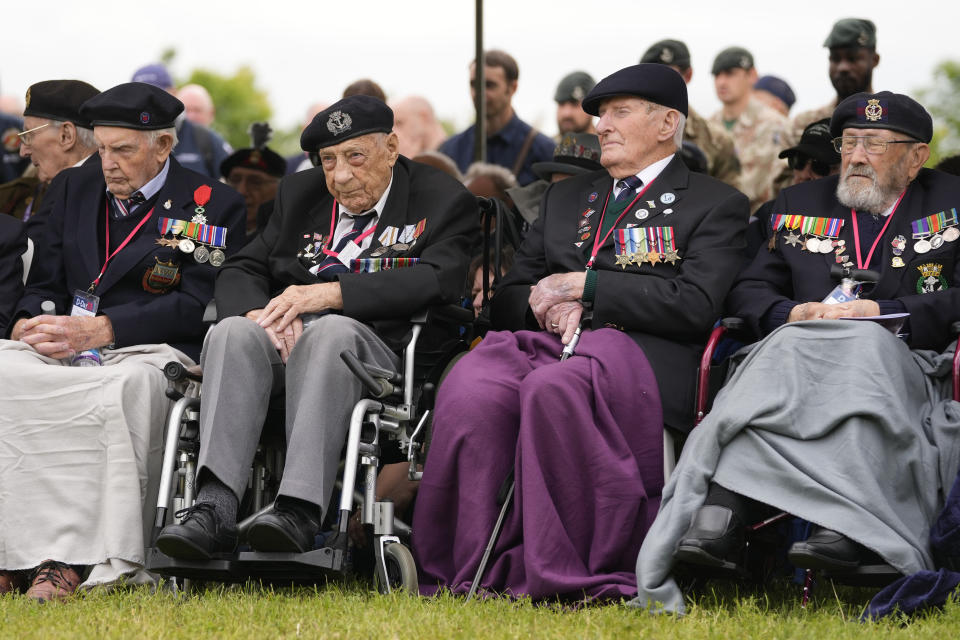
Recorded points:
(380, 382)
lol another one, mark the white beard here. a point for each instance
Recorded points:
(873, 198)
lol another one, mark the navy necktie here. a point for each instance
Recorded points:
(331, 265)
(628, 188)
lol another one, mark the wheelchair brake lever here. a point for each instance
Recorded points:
(380, 386)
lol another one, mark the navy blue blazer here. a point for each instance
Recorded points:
(13, 242)
(789, 274)
(146, 305)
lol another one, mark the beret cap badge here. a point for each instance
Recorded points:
(339, 122)
(27, 99)
(873, 111)
(666, 55)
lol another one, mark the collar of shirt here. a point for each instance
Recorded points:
(153, 185)
(82, 160)
(646, 175)
(512, 133)
(345, 218)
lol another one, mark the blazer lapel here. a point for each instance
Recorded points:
(87, 224)
(589, 206)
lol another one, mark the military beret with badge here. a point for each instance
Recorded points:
(852, 33)
(345, 119)
(59, 100)
(133, 105)
(574, 87)
(883, 110)
(671, 52)
(575, 154)
(732, 58)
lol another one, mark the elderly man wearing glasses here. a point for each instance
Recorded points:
(841, 423)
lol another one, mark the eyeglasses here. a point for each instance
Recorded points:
(798, 161)
(872, 144)
(26, 137)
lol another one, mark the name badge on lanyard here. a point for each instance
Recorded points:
(84, 304)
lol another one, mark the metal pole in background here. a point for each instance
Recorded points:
(479, 101)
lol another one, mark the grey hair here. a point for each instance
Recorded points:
(154, 135)
(84, 136)
(681, 122)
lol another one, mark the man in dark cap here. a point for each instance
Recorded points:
(55, 137)
(853, 56)
(322, 261)
(758, 131)
(813, 158)
(571, 118)
(649, 249)
(712, 139)
(255, 172)
(824, 418)
(511, 142)
(118, 286)
(198, 147)
(775, 93)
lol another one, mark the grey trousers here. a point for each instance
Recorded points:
(242, 370)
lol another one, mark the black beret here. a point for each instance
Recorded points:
(815, 142)
(347, 118)
(59, 100)
(654, 82)
(884, 110)
(672, 52)
(574, 87)
(133, 105)
(852, 32)
(576, 153)
(263, 159)
(732, 58)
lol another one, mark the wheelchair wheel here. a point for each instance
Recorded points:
(401, 570)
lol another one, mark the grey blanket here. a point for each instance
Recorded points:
(836, 422)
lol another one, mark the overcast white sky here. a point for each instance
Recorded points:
(304, 51)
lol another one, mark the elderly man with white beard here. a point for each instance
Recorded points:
(842, 423)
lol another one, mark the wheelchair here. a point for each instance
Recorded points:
(397, 409)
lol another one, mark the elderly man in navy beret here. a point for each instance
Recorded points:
(845, 424)
(315, 282)
(118, 286)
(649, 250)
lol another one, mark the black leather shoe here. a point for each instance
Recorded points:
(825, 549)
(282, 530)
(715, 539)
(199, 535)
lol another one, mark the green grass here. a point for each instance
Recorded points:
(353, 611)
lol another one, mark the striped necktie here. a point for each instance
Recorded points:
(331, 265)
(628, 188)
(124, 208)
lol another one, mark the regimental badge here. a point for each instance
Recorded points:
(930, 278)
(11, 141)
(873, 111)
(339, 122)
(577, 94)
(161, 277)
(592, 197)
(666, 56)
(26, 99)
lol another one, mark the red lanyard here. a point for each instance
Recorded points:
(597, 242)
(333, 218)
(108, 255)
(856, 234)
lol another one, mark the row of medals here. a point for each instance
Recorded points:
(936, 240)
(200, 252)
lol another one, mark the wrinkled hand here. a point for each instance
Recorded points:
(299, 299)
(283, 339)
(63, 336)
(820, 311)
(563, 319)
(554, 289)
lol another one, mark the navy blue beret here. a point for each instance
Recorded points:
(133, 105)
(657, 83)
(884, 110)
(347, 118)
(59, 100)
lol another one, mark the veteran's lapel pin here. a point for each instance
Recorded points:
(668, 198)
(168, 204)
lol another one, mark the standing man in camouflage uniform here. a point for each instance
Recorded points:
(571, 118)
(710, 138)
(759, 132)
(853, 56)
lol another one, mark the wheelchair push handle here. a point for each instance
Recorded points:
(176, 371)
(380, 382)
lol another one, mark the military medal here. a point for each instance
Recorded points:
(936, 241)
(950, 234)
(623, 260)
(792, 238)
(379, 251)
(812, 245)
(201, 196)
(201, 254)
(217, 257)
(826, 246)
(672, 256)
(400, 246)
(186, 245)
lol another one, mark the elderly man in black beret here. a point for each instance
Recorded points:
(317, 281)
(650, 250)
(254, 172)
(842, 423)
(54, 138)
(118, 286)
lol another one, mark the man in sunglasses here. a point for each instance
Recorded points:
(814, 157)
(841, 423)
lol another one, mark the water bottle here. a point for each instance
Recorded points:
(47, 308)
(88, 358)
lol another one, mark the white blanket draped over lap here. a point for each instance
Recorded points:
(80, 454)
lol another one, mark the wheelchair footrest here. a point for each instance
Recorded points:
(870, 575)
(311, 566)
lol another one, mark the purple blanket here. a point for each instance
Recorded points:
(586, 436)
